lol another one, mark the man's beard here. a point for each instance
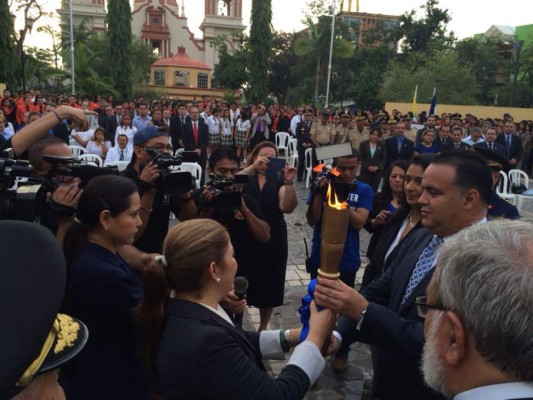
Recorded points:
(432, 368)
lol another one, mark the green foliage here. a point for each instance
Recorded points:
(8, 56)
(282, 58)
(455, 83)
(81, 34)
(120, 37)
(231, 71)
(427, 34)
(260, 44)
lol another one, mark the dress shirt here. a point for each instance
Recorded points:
(502, 391)
(468, 140)
(294, 121)
(214, 126)
(114, 155)
(140, 123)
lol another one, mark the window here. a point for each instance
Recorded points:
(203, 80)
(181, 78)
(159, 77)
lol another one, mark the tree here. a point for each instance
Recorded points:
(260, 43)
(8, 56)
(427, 34)
(315, 44)
(231, 71)
(119, 32)
(282, 58)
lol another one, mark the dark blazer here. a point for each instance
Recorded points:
(175, 129)
(391, 150)
(303, 134)
(451, 146)
(396, 328)
(516, 146)
(187, 138)
(441, 143)
(367, 160)
(202, 356)
(496, 147)
(111, 128)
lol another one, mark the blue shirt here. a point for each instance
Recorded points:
(361, 197)
(140, 123)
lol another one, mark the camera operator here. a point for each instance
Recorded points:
(155, 205)
(243, 220)
(359, 200)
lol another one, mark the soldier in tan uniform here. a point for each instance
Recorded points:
(322, 133)
(343, 130)
(410, 132)
(360, 132)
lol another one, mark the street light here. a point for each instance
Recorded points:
(28, 25)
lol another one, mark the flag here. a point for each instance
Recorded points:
(433, 108)
(415, 115)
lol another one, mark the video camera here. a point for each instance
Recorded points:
(172, 181)
(23, 197)
(226, 200)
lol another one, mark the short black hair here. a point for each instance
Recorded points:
(355, 154)
(471, 171)
(220, 154)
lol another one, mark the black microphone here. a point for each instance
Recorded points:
(240, 286)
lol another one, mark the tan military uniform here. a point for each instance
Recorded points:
(357, 137)
(322, 133)
(411, 134)
(342, 134)
(385, 135)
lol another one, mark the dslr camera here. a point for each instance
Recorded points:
(225, 200)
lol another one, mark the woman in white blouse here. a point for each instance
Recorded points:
(98, 145)
(126, 128)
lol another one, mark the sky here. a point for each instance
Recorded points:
(468, 16)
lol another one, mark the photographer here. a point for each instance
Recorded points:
(359, 200)
(155, 205)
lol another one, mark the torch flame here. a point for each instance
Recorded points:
(336, 203)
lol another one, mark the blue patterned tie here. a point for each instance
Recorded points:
(508, 147)
(423, 266)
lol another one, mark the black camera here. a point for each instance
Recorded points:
(173, 181)
(226, 200)
(341, 189)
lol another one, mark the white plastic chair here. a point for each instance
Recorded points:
(517, 177)
(502, 189)
(92, 158)
(293, 152)
(308, 165)
(77, 151)
(179, 151)
(282, 142)
(194, 169)
(121, 165)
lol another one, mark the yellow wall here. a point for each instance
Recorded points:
(169, 75)
(479, 111)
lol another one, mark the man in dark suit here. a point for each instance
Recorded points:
(489, 143)
(430, 124)
(195, 137)
(466, 333)
(512, 143)
(303, 136)
(443, 138)
(457, 188)
(457, 140)
(113, 122)
(177, 122)
(398, 147)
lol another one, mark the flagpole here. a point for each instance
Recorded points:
(415, 115)
(331, 51)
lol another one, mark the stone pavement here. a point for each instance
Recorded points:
(357, 380)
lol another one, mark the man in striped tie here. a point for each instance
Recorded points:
(457, 188)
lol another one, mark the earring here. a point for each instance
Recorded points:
(106, 228)
(218, 280)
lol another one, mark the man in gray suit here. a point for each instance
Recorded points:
(478, 316)
(457, 188)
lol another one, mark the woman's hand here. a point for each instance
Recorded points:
(260, 163)
(321, 325)
(382, 217)
(289, 173)
(234, 303)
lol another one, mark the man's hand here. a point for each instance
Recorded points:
(150, 173)
(67, 195)
(233, 303)
(339, 297)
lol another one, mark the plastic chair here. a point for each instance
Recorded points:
(293, 152)
(517, 177)
(77, 151)
(502, 189)
(92, 158)
(308, 165)
(121, 165)
(282, 142)
(179, 151)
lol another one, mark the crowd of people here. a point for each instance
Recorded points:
(156, 308)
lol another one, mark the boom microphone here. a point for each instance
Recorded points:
(240, 287)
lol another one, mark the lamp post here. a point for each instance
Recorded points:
(28, 25)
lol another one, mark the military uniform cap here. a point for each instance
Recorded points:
(494, 159)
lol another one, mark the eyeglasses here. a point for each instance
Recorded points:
(422, 306)
(161, 147)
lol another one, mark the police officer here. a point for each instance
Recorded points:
(303, 135)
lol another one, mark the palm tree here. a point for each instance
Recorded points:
(316, 45)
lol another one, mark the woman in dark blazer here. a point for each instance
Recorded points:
(372, 152)
(191, 346)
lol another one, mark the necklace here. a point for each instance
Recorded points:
(411, 219)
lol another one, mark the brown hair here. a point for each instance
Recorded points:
(189, 248)
(255, 152)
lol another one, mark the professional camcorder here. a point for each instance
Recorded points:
(173, 181)
(23, 197)
(341, 189)
(226, 200)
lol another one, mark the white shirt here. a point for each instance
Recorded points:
(234, 115)
(213, 125)
(114, 155)
(243, 126)
(294, 121)
(94, 148)
(85, 136)
(502, 391)
(468, 140)
(125, 130)
(226, 127)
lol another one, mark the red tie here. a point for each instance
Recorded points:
(195, 131)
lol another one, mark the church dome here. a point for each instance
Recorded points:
(181, 60)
